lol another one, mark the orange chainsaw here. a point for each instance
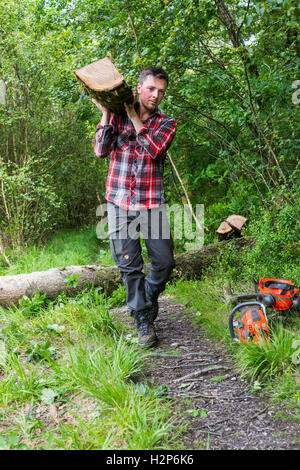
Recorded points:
(252, 326)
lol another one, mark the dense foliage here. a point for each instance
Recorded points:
(233, 69)
(235, 92)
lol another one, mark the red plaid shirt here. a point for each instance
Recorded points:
(135, 176)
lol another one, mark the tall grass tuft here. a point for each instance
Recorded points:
(103, 368)
(146, 422)
(105, 371)
(269, 359)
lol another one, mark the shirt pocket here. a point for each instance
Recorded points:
(124, 138)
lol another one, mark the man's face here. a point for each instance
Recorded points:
(151, 92)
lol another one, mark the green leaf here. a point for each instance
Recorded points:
(198, 413)
(249, 20)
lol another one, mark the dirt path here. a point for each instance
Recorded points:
(201, 376)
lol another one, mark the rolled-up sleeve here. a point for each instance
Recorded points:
(105, 138)
(156, 142)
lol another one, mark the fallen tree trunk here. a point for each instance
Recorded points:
(193, 264)
(54, 281)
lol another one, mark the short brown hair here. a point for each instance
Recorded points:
(157, 72)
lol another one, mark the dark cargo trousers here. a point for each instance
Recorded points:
(124, 230)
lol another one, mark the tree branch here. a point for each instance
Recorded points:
(133, 28)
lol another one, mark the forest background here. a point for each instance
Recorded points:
(234, 69)
(235, 93)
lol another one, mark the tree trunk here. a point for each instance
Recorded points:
(54, 281)
(191, 265)
(113, 99)
(235, 35)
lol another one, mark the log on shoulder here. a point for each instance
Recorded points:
(101, 80)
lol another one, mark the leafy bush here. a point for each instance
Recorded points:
(31, 205)
(274, 249)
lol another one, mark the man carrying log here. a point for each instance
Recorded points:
(137, 142)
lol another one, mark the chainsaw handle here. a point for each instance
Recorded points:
(238, 307)
(251, 297)
(266, 299)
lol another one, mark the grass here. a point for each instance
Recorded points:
(271, 359)
(65, 248)
(73, 355)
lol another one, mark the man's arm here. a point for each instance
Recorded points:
(105, 113)
(157, 142)
(104, 134)
(133, 115)
(154, 142)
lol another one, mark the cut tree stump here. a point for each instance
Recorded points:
(191, 265)
(101, 80)
(232, 226)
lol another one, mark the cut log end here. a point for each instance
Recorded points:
(101, 80)
(100, 75)
(231, 226)
(236, 221)
(224, 228)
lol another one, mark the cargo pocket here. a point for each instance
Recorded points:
(126, 255)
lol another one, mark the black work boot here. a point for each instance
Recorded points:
(153, 312)
(146, 331)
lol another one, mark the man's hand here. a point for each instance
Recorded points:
(100, 106)
(133, 115)
(130, 110)
(105, 112)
